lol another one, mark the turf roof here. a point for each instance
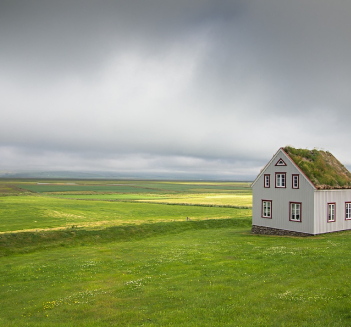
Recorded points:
(321, 167)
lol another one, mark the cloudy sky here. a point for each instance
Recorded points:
(202, 88)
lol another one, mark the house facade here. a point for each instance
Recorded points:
(286, 201)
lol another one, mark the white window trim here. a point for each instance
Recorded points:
(297, 177)
(294, 206)
(331, 212)
(347, 210)
(279, 179)
(263, 207)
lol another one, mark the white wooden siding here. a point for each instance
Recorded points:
(321, 200)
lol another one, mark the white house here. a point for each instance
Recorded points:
(301, 192)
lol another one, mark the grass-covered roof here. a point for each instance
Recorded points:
(321, 167)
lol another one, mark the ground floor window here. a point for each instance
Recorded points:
(348, 210)
(331, 212)
(266, 209)
(295, 211)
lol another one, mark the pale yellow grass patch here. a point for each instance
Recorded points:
(236, 200)
(60, 214)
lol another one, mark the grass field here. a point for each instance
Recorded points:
(81, 187)
(237, 199)
(38, 212)
(97, 262)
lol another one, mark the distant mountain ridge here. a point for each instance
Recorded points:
(121, 175)
(64, 174)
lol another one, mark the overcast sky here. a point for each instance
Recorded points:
(209, 88)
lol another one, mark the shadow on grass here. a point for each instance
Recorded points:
(25, 242)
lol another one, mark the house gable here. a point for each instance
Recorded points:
(281, 158)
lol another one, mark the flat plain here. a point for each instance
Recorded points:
(159, 253)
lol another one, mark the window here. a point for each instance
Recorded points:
(347, 210)
(295, 181)
(267, 180)
(280, 162)
(266, 209)
(295, 211)
(331, 212)
(280, 179)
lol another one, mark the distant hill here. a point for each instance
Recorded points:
(63, 175)
(121, 175)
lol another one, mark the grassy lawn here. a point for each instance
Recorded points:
(97, 262)
(216, 276)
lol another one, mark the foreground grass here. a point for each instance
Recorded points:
(25, 242)
(190, 275)
(67, 262)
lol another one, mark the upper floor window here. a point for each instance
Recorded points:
(295, 181)
(266, 208)
(348, 210)
(331, 212)
(280, 179)
(280, 162)
(295, 211)
(267, 180)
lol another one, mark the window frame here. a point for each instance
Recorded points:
(276, 179)
(270, 209)
(328, 211)
(300, 211)
(269, 181)
(280, 162)
(297, 176)
(346, 204)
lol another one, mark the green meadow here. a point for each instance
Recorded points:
(20, 213)
(147, 253)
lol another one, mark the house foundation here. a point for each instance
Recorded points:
(275, 231)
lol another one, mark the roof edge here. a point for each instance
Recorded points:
(293, 162)
(265, 167)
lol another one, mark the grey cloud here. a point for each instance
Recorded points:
(77, 36)
(224, 82)
(127, 165)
